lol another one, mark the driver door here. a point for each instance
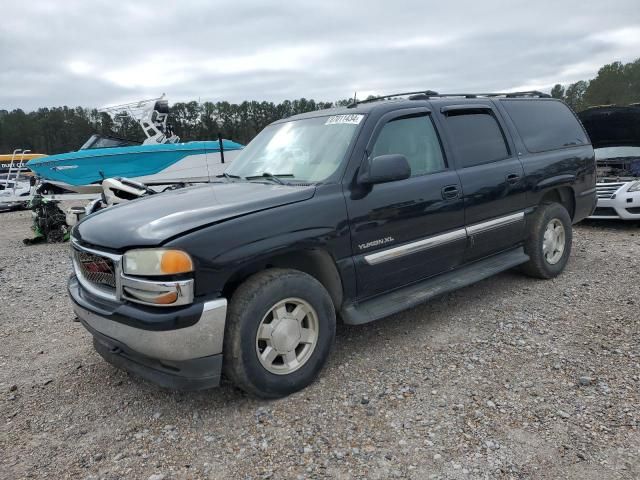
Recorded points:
(407, 230)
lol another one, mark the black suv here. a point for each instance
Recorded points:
(354, 213)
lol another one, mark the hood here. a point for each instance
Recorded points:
(152, 220)
(612, 126)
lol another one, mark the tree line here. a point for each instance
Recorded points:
(615, 84)
(62, 129)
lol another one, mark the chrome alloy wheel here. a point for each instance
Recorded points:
(553, 242)
(287, 336)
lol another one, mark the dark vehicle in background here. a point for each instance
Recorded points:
(353, 213)
(615, 135)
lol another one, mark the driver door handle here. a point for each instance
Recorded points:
(513, 178)
(450, 192)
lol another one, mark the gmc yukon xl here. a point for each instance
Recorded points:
(354, 214)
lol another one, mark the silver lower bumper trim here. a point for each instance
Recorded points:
(202, 339)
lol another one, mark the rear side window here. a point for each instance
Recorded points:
(415, 138)
(476, 138)
(545, 124)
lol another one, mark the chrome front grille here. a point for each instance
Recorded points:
(606, 190)
(100, 273)
(95, 269)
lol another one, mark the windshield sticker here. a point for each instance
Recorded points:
(354, 119)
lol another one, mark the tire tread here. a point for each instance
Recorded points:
(537, 266)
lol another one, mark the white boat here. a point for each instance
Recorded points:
(160, 160)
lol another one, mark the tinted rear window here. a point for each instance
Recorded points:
(545, 124)
(477, 138)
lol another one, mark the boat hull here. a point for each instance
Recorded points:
(153, 164)
(18, 162)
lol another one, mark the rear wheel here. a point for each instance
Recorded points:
(280, 328)
(549, 242)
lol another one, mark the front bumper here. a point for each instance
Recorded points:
(621, 205)
(179, 348)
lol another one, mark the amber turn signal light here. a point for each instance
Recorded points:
(175, 261)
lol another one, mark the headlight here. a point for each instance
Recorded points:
(152, 262)
(635, 187)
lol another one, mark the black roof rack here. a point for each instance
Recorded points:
(427, 94)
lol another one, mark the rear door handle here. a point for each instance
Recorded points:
(450, 192)
(513, 178)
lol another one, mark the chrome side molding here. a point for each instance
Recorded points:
(495, 223)
(413, 247)
(441, 239)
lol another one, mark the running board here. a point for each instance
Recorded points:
(415, 294)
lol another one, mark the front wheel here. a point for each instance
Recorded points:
(280, 328)
(549, 242)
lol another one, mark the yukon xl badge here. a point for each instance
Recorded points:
(376, 243)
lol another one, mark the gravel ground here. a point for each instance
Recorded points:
(510, 378)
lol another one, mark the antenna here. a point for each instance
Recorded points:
(221, 144)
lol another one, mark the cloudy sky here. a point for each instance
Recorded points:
(95, 52)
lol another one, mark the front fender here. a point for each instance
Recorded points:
(222, 251)
(268, 247)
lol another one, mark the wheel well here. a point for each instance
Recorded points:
(564, 196)
(316, 262)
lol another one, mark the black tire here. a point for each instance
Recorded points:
(249, 304)
(538, 266)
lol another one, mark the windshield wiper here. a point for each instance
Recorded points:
(273, 177)
(229, 176)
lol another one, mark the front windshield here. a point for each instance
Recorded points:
(308, 150)
(98, 141)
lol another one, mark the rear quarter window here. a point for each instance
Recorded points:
(545, 124)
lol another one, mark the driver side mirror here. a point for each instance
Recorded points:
(384, 168)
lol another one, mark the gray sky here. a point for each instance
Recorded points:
(95, 52)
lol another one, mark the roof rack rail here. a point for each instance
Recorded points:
(427, 94)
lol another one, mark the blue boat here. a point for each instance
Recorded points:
(160, 160)
(160, 164)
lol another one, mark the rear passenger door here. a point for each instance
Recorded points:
(491, 174)
(406, 230)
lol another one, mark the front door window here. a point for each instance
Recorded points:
(415, 138)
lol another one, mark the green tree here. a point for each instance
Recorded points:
(615, 83)
(557, 91)
(574, 95)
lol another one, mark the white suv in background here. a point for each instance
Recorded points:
(618, 184)
(615, 135)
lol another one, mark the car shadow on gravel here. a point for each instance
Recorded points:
(447, 314)
(616, 225)
(441, 321)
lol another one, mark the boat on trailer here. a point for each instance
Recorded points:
(16, 180)
(16, 162)
(160, 160)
